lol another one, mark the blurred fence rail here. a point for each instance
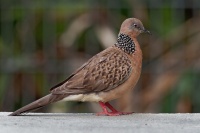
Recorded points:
(42, 42)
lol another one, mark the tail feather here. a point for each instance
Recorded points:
(38, 104)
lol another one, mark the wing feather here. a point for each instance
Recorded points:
(103, 72)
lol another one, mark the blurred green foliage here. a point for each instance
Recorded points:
(33, 57)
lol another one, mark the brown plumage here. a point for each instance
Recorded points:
(104, 77)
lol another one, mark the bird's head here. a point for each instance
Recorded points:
(133, 27)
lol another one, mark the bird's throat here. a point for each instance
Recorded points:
(125, 43)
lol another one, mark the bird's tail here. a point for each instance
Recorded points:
(37, 104)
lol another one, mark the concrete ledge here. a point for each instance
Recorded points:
(84, 123)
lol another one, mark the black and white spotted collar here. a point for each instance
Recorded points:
(125, 43)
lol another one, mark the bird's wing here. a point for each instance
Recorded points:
(103, 72)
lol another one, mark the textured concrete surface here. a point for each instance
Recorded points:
(84, 123)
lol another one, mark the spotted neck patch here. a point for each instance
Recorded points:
(125, 43)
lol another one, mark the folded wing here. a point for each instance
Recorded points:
(103, 72)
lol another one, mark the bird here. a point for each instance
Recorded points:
(104, 77)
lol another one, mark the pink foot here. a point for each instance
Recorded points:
(113, 112)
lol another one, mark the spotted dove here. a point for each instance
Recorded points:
(106, 76)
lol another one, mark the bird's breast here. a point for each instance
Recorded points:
(136, 62)
(104, 96)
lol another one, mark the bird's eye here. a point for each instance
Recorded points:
(135, 25)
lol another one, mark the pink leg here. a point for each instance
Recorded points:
(113, 112)
(105, 111)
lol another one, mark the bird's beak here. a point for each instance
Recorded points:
(146, 31)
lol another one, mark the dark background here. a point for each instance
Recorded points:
(43, 41)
